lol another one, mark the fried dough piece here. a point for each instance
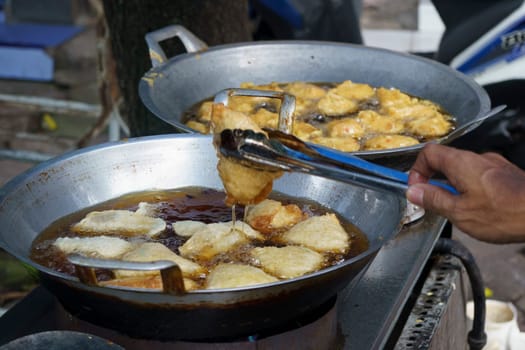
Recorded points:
(389, 141)
(320, 233)
(152, 251)
(119, 222)
(393, 97)
(434, 126)
(236, 275)
(305, 131)
(217, 238)
(96, 247)
(271, 215)
(354, 91)
(376, 122)
(303, 105)
(243, 185)
(412, 111)
(266, 119)
(344, 144)
(147, 209)
(186, 228)
(334, 104)
(146, 282)
(345, 127)
(287, 262)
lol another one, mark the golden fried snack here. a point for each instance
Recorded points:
(334, 104)
(345, 127)
(95, 247)
(354, 91)
(266, 119)
(389, 141)
(119, 222)
(186, 228)
(287, 262)
(243, 185)
(303, 105)
(434, 126)
(393, 97)
(377, 123)
(320, 233)
(236, 275)
(271, 215)
(148, 209)
(411, 111)
(305, 131)
(152, 251)
(344, 144)
(217, 238)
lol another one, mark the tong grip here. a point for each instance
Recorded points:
(371, 168)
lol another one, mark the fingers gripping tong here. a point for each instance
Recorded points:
(284, 152)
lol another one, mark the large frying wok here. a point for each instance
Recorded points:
(81, 179)
(174, 85)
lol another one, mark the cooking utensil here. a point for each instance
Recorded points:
(286, 110)
(174, 85)
(258, 151)
(81, 179)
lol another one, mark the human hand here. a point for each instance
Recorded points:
(491, 201)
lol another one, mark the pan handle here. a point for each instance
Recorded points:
(170, 272)
(189, 40)
(287, 103)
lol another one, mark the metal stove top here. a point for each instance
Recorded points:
(368, 310)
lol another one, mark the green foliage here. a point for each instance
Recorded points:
(15, 275)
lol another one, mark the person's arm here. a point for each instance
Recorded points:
(491, 203)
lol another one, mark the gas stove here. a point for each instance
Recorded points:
(375, 312)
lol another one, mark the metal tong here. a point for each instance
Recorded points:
(280, 151)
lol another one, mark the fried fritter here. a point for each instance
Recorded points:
(152, 251)
(389, 141)
(319, 233)
(96, 247)
(243, 185)
(271, 215)
(119, 222)
(287, 262)
(236, 275)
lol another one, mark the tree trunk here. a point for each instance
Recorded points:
(215, 22)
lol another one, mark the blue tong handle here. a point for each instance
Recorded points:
(370, 167)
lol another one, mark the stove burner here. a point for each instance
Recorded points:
(314, 330)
